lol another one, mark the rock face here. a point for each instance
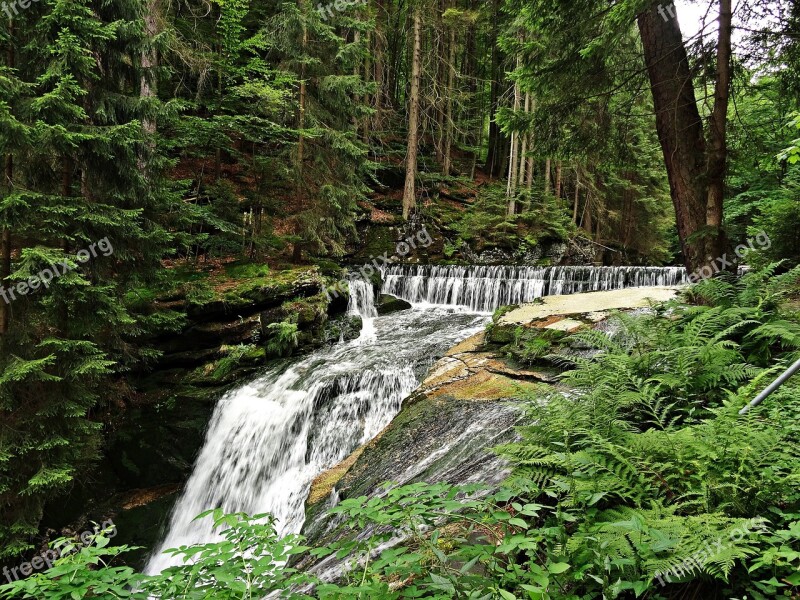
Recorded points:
(468, 404)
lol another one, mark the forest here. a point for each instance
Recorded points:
(275, 285)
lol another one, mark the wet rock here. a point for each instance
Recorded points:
(343, 328)
(390, 304)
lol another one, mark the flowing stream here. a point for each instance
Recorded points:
(268, 439)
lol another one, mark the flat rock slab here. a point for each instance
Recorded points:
(567, 325)
(592, 302)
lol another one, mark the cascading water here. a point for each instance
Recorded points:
(362, 303)
(268, 439)
(483, 289)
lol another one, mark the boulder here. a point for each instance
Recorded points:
(390, 304)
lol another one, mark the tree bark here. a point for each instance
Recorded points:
(148, 84)
(718, 123)
(696, 177)
(448, 118)
(379, 55)
(524, 150)
(493, 160)
(558, 179)
(530, 160)
(410, 191)
(5, 237)
(513, 158)
(297, 250)
(546, 176)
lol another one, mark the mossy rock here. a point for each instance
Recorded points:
(390, 304)
(227, 298)
(501, 334)
(343, 328)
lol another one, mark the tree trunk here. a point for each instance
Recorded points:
(513, 158)
(493, 160)
(379, 56)
(297, 250)
(587, 214)
(524, 150)
(718, 149)
(558, 179)
(5, 237)
(547, 177)
(410, 191)
(577, 196)
(680, 131)
(530, 160)
(448, 118)
(356, 72)
(147, 83)
(368, 72)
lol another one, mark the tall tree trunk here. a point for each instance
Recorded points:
(5, 237)
(410, 191)
(546, 176)
(718, 149)
(148, 84)
(577, 196)
(558, 179)
(297, 250)
(513, 158)
(692, 172)
(448, 117)
(356, 72)
(379, 61)
(531, 140)
(368, 72)
(587, 214)
(523, 161)
(493, 160)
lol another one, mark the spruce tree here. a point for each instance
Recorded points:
(85, 222)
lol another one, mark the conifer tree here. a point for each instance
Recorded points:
(86, 227)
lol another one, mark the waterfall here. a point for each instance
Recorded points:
(483, 289)
(362, 303)
(362, 299)
(269, 438)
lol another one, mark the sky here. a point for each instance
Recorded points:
(690, 15)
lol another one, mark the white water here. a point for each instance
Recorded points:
(483, 289)
(268, 439)
(362, 303)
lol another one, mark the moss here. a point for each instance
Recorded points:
(234, 360)
(489, 386)
(247, 270)
(377, 241)
(323, 485)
